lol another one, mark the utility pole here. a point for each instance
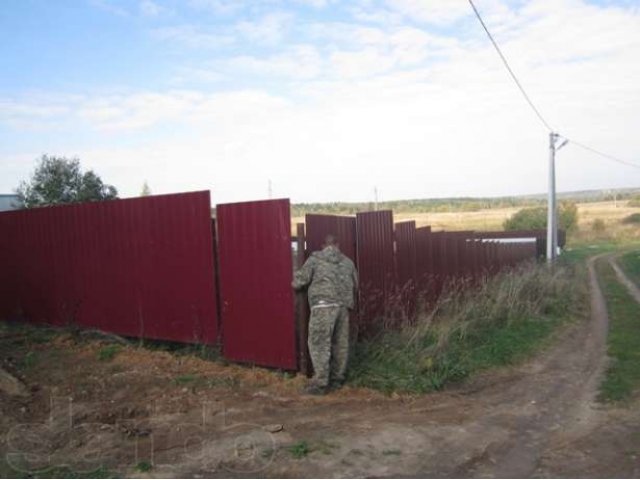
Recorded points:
(375, 198)
(270, 190)
(552, 210)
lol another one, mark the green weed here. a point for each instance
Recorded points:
(185, 379)
(108, 352)
(30, 359)
(144, 466)
(299, 449)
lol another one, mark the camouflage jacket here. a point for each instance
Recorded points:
(331, 276)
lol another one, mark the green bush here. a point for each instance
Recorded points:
(536, 218)
(632, 219)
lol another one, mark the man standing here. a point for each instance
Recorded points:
(332, 280)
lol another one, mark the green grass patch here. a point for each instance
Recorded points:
(30, 360)
(578, 253)
(108, 352)
(186, 379)
(634, 219)
(144, 466)
(623, 374)
(299, 449)
(630, 263)
(501, 322)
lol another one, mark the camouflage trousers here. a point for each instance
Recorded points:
(329, 344)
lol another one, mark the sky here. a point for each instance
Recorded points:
(326, 100)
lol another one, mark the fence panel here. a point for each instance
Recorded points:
(374, 231)
(406, 268)
(256, 270)
(343, 228)
(136, 267)
(424, 261)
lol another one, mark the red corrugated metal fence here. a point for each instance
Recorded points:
(256, 271)
(139, 267)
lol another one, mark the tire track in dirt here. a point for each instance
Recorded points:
(502, 429)
(632, 288)
(553, 403)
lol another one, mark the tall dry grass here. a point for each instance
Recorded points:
(499, 321)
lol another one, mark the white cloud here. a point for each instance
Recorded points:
(350, 106)
(110, 6)
(149, 8)
(269, 29)
(193, 36)
(297, 62)
(437, 12)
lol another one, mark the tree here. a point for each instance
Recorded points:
(536, 218)
(146, 191)
(58, 180)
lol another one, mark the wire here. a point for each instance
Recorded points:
(602, 154)
(536, 111)
(506, 64)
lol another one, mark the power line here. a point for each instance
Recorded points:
(506, 64)
(536, 111)
(602, 154)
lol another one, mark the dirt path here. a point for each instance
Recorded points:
(539, 419)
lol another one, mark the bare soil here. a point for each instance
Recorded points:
(195, 418)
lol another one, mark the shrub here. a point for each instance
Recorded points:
(536, 218)
(634, 218)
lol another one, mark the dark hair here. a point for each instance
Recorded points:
(330, 240)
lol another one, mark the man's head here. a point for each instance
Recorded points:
(330, 241)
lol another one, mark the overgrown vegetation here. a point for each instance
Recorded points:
(623, 374)
(536, 218)
(634, 219)
(499, 322)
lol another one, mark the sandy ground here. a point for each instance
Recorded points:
(193, 418)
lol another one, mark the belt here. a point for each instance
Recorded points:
(325, 305)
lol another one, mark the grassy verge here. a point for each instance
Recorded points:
(501, 322)
(578, 253)
(623, 375)
(630, 263)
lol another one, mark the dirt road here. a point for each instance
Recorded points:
(193, 418)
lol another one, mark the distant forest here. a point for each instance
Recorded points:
(461, 204)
